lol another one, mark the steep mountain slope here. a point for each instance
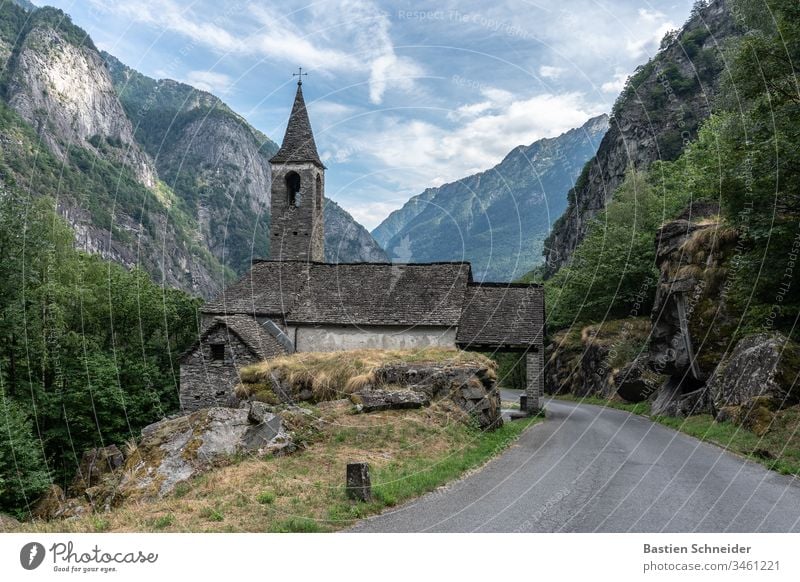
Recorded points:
(346, 241)
(655, 116)
(210, 156)
(66, 135)
(496, 219)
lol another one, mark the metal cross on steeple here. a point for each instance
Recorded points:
(300, 74)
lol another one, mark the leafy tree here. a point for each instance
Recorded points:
(23, 473)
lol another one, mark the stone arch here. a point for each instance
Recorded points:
(293, 189)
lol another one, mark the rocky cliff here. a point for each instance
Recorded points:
(656, 115)
(63, 90)
(496, 219)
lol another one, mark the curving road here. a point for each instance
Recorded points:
(594, 469)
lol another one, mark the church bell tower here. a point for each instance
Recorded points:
(298, 190)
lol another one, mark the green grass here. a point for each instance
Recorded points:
(266, 498)
(778, 450)
(396, 483)
(162, 521)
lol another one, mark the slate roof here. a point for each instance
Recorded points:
(488, 315)
(269, 289)
(495, 315)
(383, 294)
(255, 336)
(298, 142)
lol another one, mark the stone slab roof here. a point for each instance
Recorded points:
(501, 315)
(383, 294)
(489, 315)
(269, 289)
(254, 335)
(298, 141)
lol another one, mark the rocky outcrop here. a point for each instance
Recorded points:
(761, 366)
(377, 400)
(659, 111)
(691, 321)
(635, 382)
(95, 466)
(604, 360)
(174, 450)
(64, 91)
(496, 219)
(471, 387)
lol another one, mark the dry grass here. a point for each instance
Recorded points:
(332, 375)
(710, 239)
(409, 451)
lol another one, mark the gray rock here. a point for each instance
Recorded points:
(673, 400)
(376, 400)
(761, 365)
(95, 465)
(259, 412)
(175, 450)
(635, 382)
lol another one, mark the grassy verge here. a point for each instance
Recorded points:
(778, 449)
(410, 452)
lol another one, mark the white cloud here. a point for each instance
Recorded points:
(616, 84)
(371, 214)
(550, 72)
(650, 28)
(423, 153)
(355, 36)
(218, 83)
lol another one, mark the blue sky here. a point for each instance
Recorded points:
(402, 95)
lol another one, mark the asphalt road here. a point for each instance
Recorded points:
(594, 469)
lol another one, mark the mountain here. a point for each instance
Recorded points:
(658, 112)
(346, 241)
(496, 219)
(66, 136)
(150, 173)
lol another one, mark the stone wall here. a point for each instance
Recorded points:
(337, 338)
(206, 382)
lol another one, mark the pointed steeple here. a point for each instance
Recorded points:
(298, 142)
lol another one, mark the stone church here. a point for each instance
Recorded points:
(295, 302)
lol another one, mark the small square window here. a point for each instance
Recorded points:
(217, 351)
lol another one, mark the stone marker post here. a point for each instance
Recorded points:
(358, 482)
(530, 402)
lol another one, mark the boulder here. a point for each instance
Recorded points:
(672, 400)
(471, 386)
(634, 382)
(178, 449)
(761, 365)
(375, 400)
(95, 466)
(7, 523)
(50, 503)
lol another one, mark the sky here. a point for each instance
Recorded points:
(402, 96)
